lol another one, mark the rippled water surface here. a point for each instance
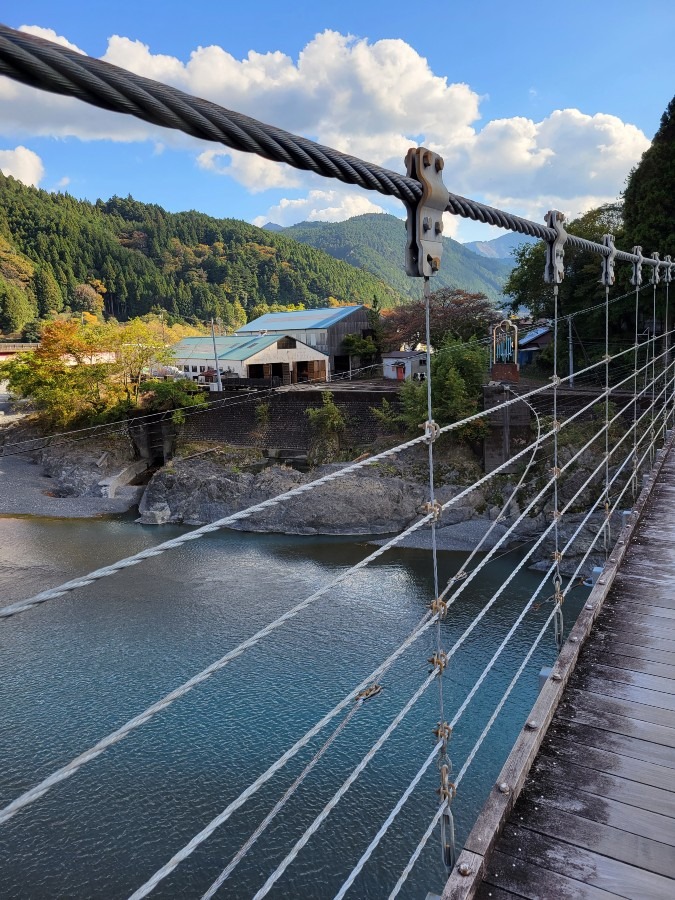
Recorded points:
(77, 667)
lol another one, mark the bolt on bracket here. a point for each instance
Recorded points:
(424, 246)
(607, 277)
(667, 269)
(554, 272)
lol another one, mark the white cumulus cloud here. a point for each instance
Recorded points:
(22, 164)
(320, 206)
(370, 99)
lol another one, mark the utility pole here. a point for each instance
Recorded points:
(215, 357)
(570, 347)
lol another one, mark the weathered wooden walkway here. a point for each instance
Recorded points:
(596, 816)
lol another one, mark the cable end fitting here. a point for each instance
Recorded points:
(371, 691)
(439, 661)
(431, 431)
(439, 607)
(432, 509)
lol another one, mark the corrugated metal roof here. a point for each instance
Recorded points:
(298, 320)
(231, 346)
(533, 335)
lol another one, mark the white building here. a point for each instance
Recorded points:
(250, 356)
(402, 365)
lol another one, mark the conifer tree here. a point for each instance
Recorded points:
(649, 198)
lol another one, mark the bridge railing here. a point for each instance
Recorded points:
(578, 472)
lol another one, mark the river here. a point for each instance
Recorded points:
(77, 667)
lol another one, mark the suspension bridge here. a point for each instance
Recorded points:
(584, 804)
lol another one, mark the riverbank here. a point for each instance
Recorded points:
(26, 491)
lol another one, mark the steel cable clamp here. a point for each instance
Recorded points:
(636, 277)
(424, 246)
(554, 271)
(607, 277)
(431, 431)
(656, 274)
(432, 509)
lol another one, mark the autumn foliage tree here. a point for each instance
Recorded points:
(452, 312)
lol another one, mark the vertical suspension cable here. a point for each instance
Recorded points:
(635, 391)
(443, 732)
(607, 528)
(557, 581)
(666, 363)
(651, 455)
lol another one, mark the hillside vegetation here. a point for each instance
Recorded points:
(375, 242)
(127, 258)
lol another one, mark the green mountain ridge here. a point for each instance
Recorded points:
(375, 242)
(141, 258)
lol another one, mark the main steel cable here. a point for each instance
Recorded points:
(186, 851)
(51, 67)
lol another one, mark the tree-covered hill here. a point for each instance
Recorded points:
(128, 257)
(376, 242)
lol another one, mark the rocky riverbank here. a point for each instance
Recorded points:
(70, 480)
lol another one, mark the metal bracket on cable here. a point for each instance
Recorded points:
(431, 431)
(424, 246)
(432, 509)
(656, 274)
(439, 661)
(636, 277)
(667, 269)
(442, 731)
(439, 607)
(554, 272)
(607, 277)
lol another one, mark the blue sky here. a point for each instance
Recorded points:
(532, 105)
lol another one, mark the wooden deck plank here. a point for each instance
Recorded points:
(638, 636)
(605, 761)
(636, 679)
(603, 784)
(535, 883)
(614, 843)
(622, 691)
(604, 811)
(646, 666)
(619, 724)
(591, 868)
(649, 654)
(579, 733)
(622, 707)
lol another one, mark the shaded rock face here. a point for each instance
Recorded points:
(76, 471)
(363, 503)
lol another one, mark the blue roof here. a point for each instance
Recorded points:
(533, 335)
(231, 346)
(299, 320)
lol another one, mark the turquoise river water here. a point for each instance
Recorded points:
(75, 668)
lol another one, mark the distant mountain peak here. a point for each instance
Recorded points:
(375, 242)
(502, 247)
(272, 226)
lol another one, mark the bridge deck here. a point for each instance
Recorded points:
(596, 816)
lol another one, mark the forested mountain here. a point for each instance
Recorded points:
(376, 242)
(128, 257)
